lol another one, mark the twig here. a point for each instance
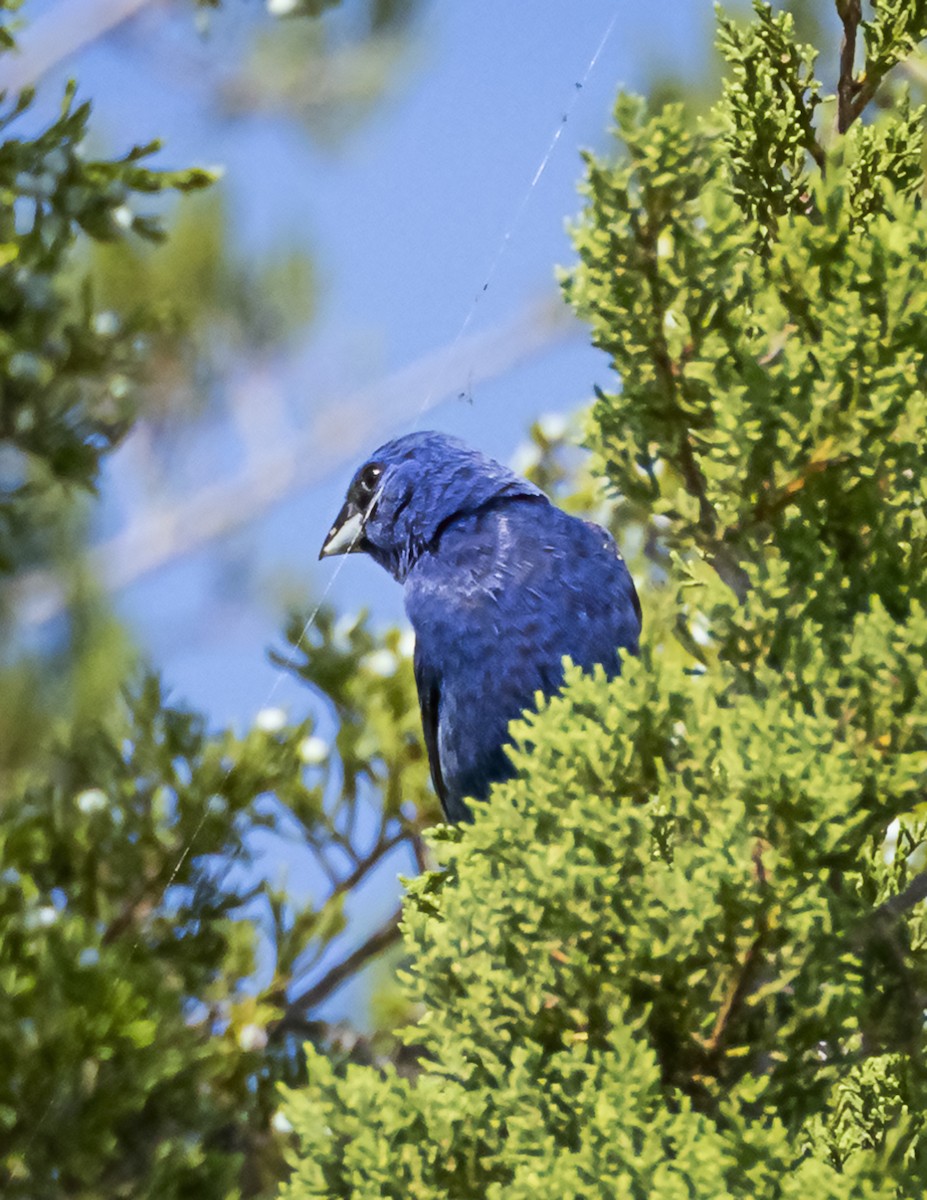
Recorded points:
(140, 907)
(742, 983)
(695, 485)
(345, 427)
(913, 894)
(771, 503)
(319, 855)
(850, 12)
(418, 849)
(729, 570)
(149, 898)
(387, 935)
(60, 33)
(668, 370)
(816, 150)
(736, 994)
(852, 94)
(137, 908)
(347, 883)
(381, 848)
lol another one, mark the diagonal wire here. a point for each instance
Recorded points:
(505, 240)
(503, 245)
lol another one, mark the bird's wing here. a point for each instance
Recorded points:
(429, 697)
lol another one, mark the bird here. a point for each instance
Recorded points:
(499, 585)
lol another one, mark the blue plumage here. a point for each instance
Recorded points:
(499, 586)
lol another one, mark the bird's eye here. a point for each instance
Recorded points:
(368, 479)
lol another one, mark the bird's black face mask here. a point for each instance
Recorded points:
(346, 536)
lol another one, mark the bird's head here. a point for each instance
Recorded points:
(404, 495)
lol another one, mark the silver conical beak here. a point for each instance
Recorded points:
(345, 535)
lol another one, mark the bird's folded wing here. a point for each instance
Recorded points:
(429, 696)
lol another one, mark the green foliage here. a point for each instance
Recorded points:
(766, 389)
(140, 1050)
(206, 309)
(676, 956)
(330, 72)
(770, 96)
(369, 681)
(154, 979)
(66, 368)
(896, 28)
(656, 993)
(98, 969)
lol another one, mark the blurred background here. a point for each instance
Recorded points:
(379, 170)
(379, 254)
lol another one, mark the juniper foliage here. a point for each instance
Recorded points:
(682, 953)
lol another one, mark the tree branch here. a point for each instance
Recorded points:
(349, 882)
(418, 849)
(345, 426)
(382, 847)
(140, 905)
(853, 94)
(384, 937)
(913, 894)
(58, 34)
(850, 12)
(742, 983)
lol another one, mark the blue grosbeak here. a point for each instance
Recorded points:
(499, 586)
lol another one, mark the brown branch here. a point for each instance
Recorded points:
(418, 849)
(913, 894)
(135, 910)
(149, 898)
(768, 505)
(382, 847)
(381, 939)
(850, 12)
(695, 485)
(867, 89)
(139, 906)
(669, 370)
(60, 33)
(736, 995)
(170, 531)
(742, 983)
(852, 94)
(772, 501)
(745, 976)
(725, 565)
(816, 150)
(812, 145)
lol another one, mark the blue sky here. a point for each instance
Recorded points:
(406, 220)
